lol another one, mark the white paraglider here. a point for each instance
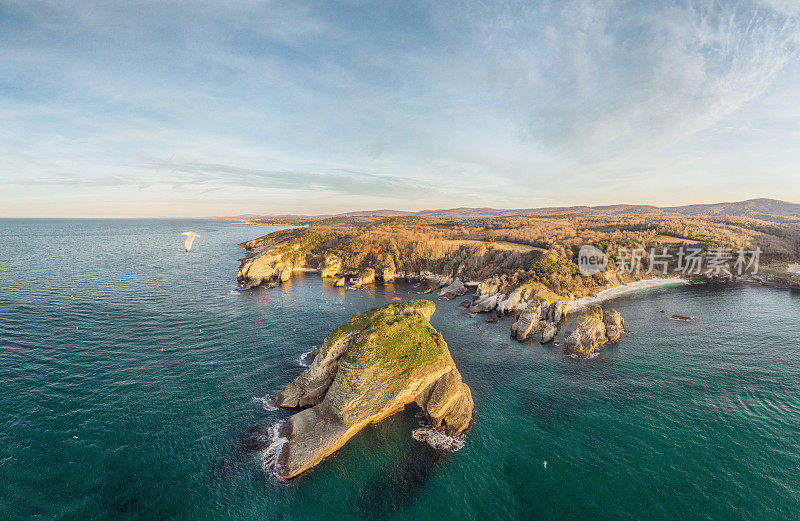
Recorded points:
(189, 240)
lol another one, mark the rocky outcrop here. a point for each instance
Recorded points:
(367, 276)
(489, 287)
(330, 266)
(526, 324)
(455, 289)
(553, 312)
(338, 283)
(594, 329)
(486, 303)
(514, 302)
(387, 274)
(263, 269)
(540, 318)
(274, 257)
(366, 370)
(614, 323)
(549, 333)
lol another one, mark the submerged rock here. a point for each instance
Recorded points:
(492, 317)
(366, 370)
(594, 329)
(455, 289)
(465, 303)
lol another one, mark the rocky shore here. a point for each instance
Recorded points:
(366, 370)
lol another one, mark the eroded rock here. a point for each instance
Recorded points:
(455, 289)
(366, 370)
(594, 329)
(367, 276)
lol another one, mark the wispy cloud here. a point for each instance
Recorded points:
(431, 104)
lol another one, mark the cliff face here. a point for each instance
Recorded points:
(595, 328)
(366, 370)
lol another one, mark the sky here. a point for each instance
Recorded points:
(194, 109)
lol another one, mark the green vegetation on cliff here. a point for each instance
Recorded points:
(371, 367)
(513, 251)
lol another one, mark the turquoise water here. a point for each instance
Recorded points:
(683, 420)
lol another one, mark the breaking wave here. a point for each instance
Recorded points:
(437, 440)
(270, 455)
(305, 359)
(266, 402)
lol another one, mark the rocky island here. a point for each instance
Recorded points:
(371, 367)
(595, 328)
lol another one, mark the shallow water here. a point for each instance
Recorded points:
(693, 420)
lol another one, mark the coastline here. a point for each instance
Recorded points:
(623, 290)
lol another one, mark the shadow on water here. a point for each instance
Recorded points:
(250, 443)
(400, 483)
(127, 492)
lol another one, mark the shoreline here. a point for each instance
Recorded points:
(623, 290)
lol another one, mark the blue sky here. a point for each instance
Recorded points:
(202, 108)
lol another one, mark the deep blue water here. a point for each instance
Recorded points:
(112, 408)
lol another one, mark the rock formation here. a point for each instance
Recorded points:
(366, 370)
(455, 289)
(525, 324)
(330, 266)
(268, 260)
(540, 318)
(549, 333)
(365, 277)
(594, 329)
(513, 302)
(486, 303)
(387, 274)
(614, 324)
(338, 283)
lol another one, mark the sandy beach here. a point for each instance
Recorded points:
(620, 291)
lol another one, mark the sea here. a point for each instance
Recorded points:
(134, 378)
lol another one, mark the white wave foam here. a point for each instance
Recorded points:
(266, 402)
(437, 440)
(269, 456)
(302, 361)
(591, 356)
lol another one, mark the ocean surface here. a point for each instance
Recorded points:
(132, 381)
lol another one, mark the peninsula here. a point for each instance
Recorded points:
(527, 265)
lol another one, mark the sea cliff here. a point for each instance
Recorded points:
(371, 367)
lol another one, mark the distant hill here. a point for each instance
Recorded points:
(764, 209)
